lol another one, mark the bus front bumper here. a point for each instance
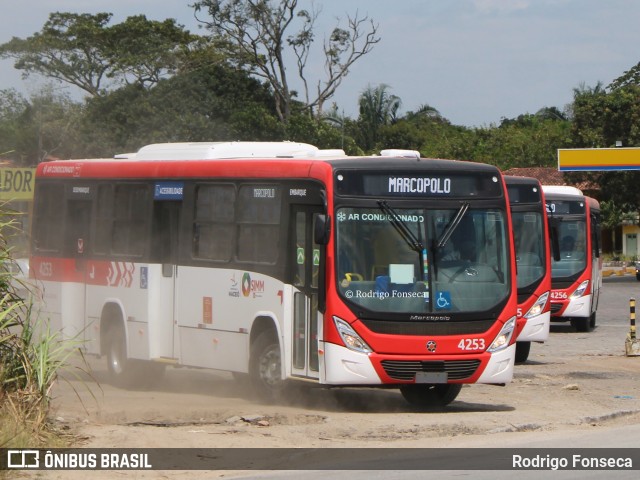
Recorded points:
(346, 367)
(536, 329)
(578, 307)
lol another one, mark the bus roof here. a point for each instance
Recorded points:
(514, 180)
(262, 159)
(562, 190)
(229, 150)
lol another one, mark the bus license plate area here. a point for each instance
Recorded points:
(431, 377)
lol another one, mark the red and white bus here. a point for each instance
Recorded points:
(533, 261)
(576, 273)
(282, 261)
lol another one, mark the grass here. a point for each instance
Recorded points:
(31, 360)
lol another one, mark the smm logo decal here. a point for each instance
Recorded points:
(246, 284)
(250, 287)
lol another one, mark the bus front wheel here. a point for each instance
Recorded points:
(522, 351)
(265, 368)
(430, 396)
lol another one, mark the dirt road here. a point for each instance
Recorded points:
(573, 381)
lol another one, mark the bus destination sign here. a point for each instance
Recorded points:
(417, 184)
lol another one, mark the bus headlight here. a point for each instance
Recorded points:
(503, 339)
(350, 338)
(538, 307)
(580, 290)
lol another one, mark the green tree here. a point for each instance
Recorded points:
(215, 102)
(83, 51)
(12, 106)
(602, 118)
(34, 129)
(146, 51)
(256, 33)
(71, 48)
(377, 108)
(529, 140)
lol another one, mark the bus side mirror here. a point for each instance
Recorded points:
(322, 229)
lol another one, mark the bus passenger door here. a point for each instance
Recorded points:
(161, 279)
(73, 294)
(306, 258)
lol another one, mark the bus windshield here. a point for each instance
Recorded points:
(573, 249)
(529, 239)
(461, 265)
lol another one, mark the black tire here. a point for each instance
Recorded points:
(592, 321)
(265, 367)
(582, 324)
(430, 396)
(522, 351)
(125, 372)
(120, 367)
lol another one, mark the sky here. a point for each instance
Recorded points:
(475, 61)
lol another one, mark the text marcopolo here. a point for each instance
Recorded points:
(419, 185)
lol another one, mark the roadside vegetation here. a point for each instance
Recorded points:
(31, 360)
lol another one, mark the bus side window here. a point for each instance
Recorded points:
(214, 228)
(48, 236)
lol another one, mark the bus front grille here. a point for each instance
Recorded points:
(407, 369)
(556, 307)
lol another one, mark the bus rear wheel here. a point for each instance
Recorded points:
(119, 366)
(125, 372)
(584, 324)
(430, 396)
(265, 367)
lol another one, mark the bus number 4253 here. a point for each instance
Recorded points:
(471, 344)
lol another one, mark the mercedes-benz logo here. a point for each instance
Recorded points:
(431, 346)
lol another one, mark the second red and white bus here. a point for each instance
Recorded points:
(577, 270)
(280, 261)
(533, 261)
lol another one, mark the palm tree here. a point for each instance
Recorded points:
(377, 108)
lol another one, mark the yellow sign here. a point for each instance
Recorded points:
(600, 159)
(17, 183)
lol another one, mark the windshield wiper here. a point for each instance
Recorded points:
(414, 242)
(453, 224)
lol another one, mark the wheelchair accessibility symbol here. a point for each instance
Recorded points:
(443, 302)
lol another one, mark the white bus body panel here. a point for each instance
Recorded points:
(49, 306)
(73, 311)
(346, 367)
(578, 307)
(161, 314)
(500, 366)
(124, 288)
(536, 329)
(217, 309)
